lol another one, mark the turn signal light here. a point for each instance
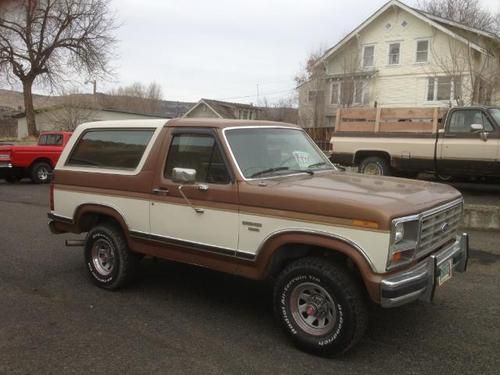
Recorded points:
(365, 224)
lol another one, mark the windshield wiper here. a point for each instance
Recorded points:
(277, 169)
(316, 164)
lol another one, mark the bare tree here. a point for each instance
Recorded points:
(473, 74)
(44, 40)
(137, 97)
(283, 110)
(311, 81)
(71, 110)
(468, 12)
(138, 90)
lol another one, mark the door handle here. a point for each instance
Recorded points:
(160, 191)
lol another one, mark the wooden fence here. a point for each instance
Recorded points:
(389, 120)
(379, 120)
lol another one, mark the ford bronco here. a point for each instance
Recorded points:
(259, 200)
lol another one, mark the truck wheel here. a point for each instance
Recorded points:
(375, 165)
(40, 172)
(320, 306)
(109, 261)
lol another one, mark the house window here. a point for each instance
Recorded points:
(394, 50)
(360, 93)
(422, 51)
(311, 96)
(368, 56)
(444, 88)
(335, 93)
(315, 95)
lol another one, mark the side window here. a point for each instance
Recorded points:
(111, 148)
(42, 140)
(54, 139)
(461, 121)
(199, 152)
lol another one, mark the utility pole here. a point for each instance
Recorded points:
(257, 94)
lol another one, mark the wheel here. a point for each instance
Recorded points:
(375, 165)
(320, 306)
(40, 172)
(109, 261)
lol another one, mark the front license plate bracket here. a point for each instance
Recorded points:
(445, 271)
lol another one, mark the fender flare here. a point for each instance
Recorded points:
(95, 208)
(328, 241)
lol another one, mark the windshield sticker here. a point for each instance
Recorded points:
(303, 159)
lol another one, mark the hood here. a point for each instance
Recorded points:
(348, 196)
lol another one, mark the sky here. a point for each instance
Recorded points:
(232, 50)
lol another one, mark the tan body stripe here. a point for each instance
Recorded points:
(250, 210)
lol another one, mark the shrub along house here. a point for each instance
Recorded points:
(403, 57)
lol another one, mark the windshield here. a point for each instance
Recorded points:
(263, 152)
(495, 112)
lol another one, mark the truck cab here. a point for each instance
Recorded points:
(469, 142)
(33, 161)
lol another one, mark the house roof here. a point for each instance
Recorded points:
(433, 21)
(459, 25)
(222, 109)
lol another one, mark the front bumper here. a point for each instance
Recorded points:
(420, 281)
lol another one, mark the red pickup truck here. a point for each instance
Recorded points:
(36, 161)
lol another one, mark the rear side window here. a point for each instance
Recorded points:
(50, 140)
(111, 148)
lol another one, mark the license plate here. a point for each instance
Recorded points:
(445, 272)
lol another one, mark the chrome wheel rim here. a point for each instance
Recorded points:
(313, 309)
(372, 169)
(103, 257)
(42, 173)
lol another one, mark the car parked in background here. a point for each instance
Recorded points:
(466, 144)
(33, 161)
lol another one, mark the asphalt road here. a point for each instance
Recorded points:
(182, 319)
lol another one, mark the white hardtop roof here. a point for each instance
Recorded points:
(155, 123)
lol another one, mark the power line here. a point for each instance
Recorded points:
(261, 94)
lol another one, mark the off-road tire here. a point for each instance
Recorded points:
(379, 164)
(40, 172)
(124, 263)
(349, 304)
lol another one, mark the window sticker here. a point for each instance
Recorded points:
(303, 159)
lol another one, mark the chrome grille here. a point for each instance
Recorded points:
(438, 227)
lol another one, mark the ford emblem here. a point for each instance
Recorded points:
(445, 227)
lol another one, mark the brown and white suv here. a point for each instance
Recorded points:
(260, 200)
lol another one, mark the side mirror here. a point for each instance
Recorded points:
(184, 175)
(476, 128)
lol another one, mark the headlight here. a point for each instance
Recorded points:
(399, 232)
(4, 156)
(403, 244)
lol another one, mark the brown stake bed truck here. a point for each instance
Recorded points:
(259, 200)
(466, 142)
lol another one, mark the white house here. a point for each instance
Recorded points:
(403, 57)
